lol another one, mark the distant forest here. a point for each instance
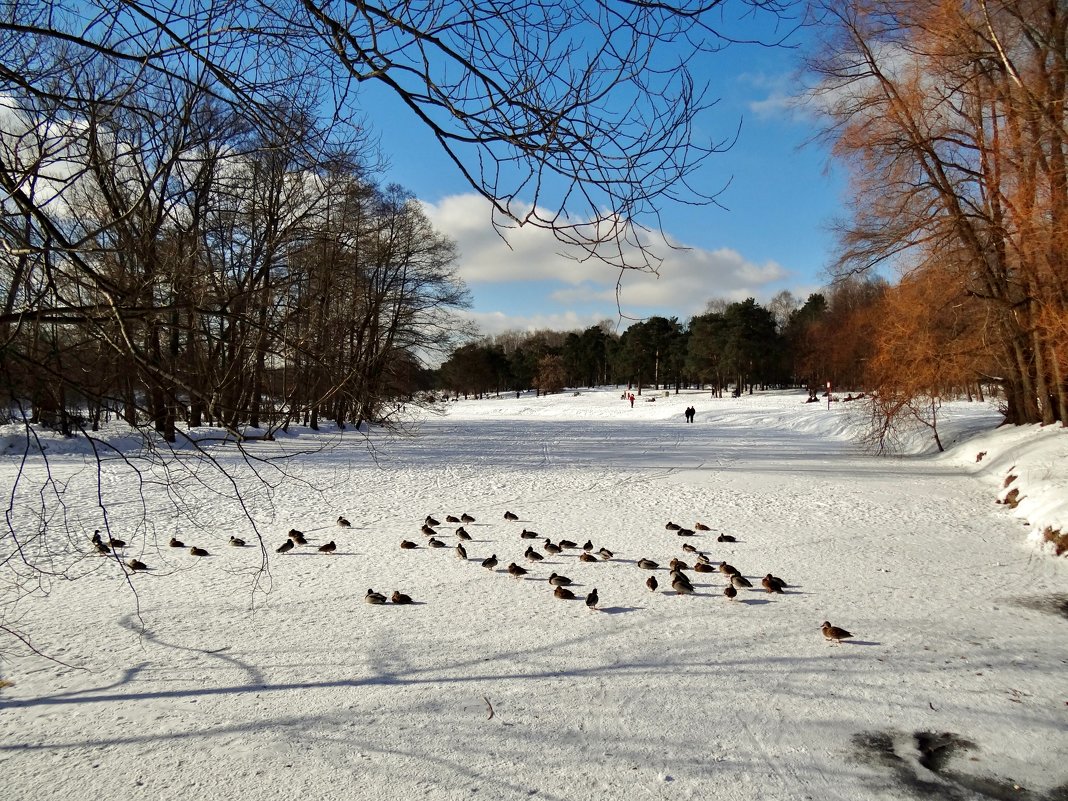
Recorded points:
(836, 336)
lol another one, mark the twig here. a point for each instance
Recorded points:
(489, 706)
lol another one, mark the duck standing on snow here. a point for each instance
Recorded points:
(833, 633)
(344, 523)
(592, 600)
(373, 597)
(329, 547)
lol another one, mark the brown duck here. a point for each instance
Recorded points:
(833, 633)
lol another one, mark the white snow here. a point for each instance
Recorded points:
(214, 681)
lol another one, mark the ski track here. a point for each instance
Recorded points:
(211, 686)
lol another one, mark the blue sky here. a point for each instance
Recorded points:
(773, 234)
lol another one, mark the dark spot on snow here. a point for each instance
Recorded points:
(919, 763)
(1054, 604)
(936, 749)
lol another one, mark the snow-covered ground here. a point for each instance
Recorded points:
(216, 681)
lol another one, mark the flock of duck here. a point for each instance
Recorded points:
(680, 581)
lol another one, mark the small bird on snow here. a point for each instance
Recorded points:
(592, 600)
(833, 633)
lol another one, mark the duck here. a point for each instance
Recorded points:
(688, 548)
(430, 521)
(550, 548)
(343, 522)
(452, 519)
(373, 597)
(466, 518)
(428, 531)
(516, 571)
(407, 545)
(237, 542)
(529, 535)
(771, 584)
(685, 532)
(329, 547)
(777, 580)
(727, 569)
(461, 532)
(587, 557)
(564, 594)
(672, 526)
(703, 558)
(96, 536)
(592, 600)
(725, 538)
(605, 554)
(567, 544)
(510, 516)
(177, 543)
(460, 551)
(678, 564)
(833, 633)
(587, 546)
(701, 527)
(651, 583)
(730, 592)
(740, 581)
(434, 542)
(297, 537)
(285, 547)
(116, 543)
(101, 547)
(559, 581)
(490, 562)
(703, 567)
(399, 597)
(137, 564)
(647, 564)
(195, 551)
(681, 585)
(532, 555)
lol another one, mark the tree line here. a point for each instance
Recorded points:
(833, 335)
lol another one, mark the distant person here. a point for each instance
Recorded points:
(632, 400)
(690, 412)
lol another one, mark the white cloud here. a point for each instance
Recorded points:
(561, 293)
(490, 323)
(533, 254)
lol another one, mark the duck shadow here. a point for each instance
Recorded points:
(753, 601)
(860, 642)
(618, 610)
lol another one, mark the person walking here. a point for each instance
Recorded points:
(632, 400)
